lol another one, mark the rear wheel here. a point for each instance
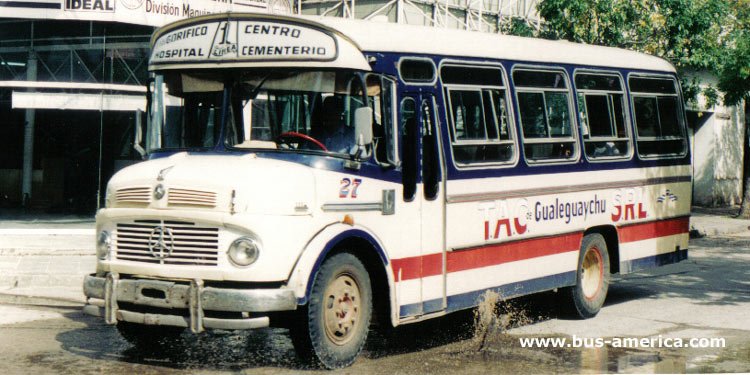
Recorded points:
(334, 325)
(592, 280)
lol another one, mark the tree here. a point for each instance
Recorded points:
(734, 71)
(692, 34)
(734, 81)
(695, 35)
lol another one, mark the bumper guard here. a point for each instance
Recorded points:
(196, 298)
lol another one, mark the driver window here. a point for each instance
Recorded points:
(309, 110)
(380, 92)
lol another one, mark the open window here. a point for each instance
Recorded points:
(601, 107)
(544, 110)
(481, 132)
(660, 129)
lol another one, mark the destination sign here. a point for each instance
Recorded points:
(244, 40)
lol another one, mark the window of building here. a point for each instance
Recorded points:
(603, 118)
(544, 110)
(478, 111)
(659, 126)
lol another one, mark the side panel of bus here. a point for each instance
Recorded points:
(520, 197)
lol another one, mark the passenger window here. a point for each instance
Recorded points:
(470, 124)
(478, 113)
(602, 114)
(544, 111)
(659, 128)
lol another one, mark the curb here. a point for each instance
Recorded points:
(41, 280)
(7, 297)
(46, 232)
(46, 252)
(707, 226)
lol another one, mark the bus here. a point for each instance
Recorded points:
(330, 175)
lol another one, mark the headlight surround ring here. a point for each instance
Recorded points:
(244, 251)
(103, 245)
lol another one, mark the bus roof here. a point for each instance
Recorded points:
(372, 36)
(415, 39)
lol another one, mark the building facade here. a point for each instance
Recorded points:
(73, 75)
(718, 134)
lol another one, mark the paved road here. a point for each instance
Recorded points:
(706, 297)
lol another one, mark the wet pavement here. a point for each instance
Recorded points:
(705, 297)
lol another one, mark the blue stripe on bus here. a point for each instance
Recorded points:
(388, 63)
(468, 300)
(371, 170)
(633, 265)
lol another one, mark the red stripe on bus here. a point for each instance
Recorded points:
(495, 254)
(484, 256)
(653, 229)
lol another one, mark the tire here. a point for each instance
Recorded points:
(333, 327)
(148, 337)
(592, 277)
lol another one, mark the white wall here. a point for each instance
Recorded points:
(717, 153)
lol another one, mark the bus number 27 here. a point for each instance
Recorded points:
(349, 187)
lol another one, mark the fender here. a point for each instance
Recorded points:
(301, 278)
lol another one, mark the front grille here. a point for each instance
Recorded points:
(140, 194)
(188, 197)
(190, 244)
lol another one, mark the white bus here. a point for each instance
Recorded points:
(327, 175)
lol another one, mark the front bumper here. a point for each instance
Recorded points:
(189, 303)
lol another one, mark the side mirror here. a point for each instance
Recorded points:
(363, 132)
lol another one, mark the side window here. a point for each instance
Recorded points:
(430, 150)
(544, 110)
(408, 130)
(417, 70)
(380, 91)
(659, 126)
(478, 114)
(602, 112)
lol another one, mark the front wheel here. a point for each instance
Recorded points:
(592, 280)
(334, 325)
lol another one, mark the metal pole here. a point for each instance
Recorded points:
(101, 126)
(28, 137)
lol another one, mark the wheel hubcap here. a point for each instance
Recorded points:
(591, 273)
(341, 309)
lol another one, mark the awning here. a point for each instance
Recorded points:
(79, 101)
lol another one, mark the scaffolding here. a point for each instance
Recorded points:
(492, 16)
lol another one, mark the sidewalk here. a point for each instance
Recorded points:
(707, 221)
(46, 259)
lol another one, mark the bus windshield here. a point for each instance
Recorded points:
(310, 111)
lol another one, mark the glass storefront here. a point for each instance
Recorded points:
(76, 83)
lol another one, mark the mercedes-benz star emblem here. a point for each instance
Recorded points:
(161, 242)
(159, 192)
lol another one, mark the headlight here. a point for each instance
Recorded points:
(244, 251)
(103, 245)
(108, 198)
